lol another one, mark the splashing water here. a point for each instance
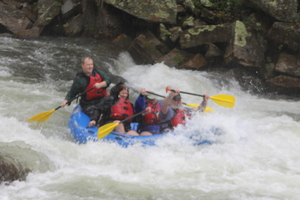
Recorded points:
(254, 154)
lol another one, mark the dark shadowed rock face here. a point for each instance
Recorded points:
(11, 170)
(146, 48)
(288, 64)
(253, 34)
(285, 81)
(286, 33)
(282, 10)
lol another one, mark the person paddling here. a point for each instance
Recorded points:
(88, 79)
(149, 123)
(114, 108)
(172, 112)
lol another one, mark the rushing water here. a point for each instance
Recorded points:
(256, 158)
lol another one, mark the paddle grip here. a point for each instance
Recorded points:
(156, 94)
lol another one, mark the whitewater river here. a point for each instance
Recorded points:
(257, 156)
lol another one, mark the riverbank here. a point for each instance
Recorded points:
(255, 39)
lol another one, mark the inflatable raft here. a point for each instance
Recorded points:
(78, 124)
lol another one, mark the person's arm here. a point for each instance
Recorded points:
(140, 102)
(76, 88)
(106, 80)
(105, 104)
(204, 103)
(167, 101)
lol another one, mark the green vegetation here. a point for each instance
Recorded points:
(177, 59)
(57, 3)
(166, 33)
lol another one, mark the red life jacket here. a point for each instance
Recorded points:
(95, 93)
(121, 110)
(180, 117)
(152, 118)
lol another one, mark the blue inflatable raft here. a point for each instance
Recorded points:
(78, 124)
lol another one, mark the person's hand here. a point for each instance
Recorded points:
(92, 123)
(148, 109)
(143, 91)
(174, 92)
(64, 103)
(99, 85)
(206, 97)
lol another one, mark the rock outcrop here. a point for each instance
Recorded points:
(255, 35)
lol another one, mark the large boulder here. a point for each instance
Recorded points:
(288, 64)
(203, 34)
(154, 10)
(282, 10)
(11, 170)
(43, 6)
(175, 58)
(286, 33)
(74, 26)
(245, 48)
(285, 81)
(70, 9)
(13, 19)
(146, 48)
(47, 16)
(30, 11)
(28, 33)
(101, 20)
(195, 63)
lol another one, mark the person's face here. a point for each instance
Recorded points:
(87, 66)
(176, 103)
(124, 93)
(151, 101)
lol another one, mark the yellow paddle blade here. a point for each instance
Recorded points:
(192, 105)
(106, 129)
(207, 109)
(224, 100)
(42, 116)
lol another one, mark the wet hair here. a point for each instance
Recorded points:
(177, 97)
(85, 57)
(118, 88)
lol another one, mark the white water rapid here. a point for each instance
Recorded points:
(256, 158)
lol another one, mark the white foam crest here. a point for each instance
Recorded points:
(4, 72)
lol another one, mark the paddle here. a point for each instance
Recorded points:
(220, 99)
(45, 115)
(207, 109)
(107, 128)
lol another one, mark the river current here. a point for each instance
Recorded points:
(255, 158)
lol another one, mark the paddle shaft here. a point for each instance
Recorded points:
(221, 99)
(41, 117)
(108, 128)
(156, 94)
(78, 95)
(124, 120)
(164, 97)
(199, 95)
